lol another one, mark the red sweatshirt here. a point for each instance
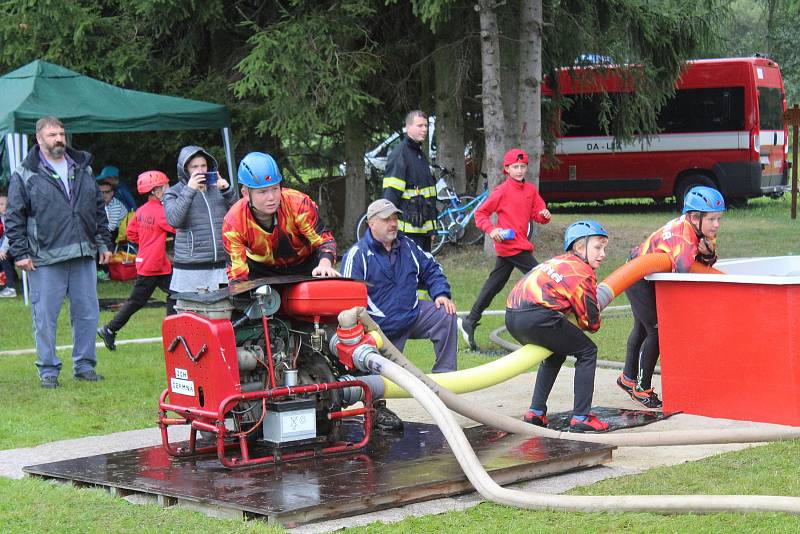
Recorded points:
(149, 229)
(516, 203)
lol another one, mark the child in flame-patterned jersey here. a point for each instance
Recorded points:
(689, 238)
(274, 230)
(536, 312)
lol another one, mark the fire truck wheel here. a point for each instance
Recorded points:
(689, 181)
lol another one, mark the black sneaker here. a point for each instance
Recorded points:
(625, 384)
(646, 397)
(108, 337)
(537, 420)
(385, 420)
(468, 332)
(88, 376)
(49, 382)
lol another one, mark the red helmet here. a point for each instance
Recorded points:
(150, 179)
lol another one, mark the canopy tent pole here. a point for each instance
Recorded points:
(17, 146)
(226, 140)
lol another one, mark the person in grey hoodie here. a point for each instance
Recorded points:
(196, 210)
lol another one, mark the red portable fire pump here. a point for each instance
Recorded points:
(256, 364)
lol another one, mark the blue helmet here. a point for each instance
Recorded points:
(579, 229)
(702, 198)
(258, 170)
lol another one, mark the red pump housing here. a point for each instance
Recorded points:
(322, 300)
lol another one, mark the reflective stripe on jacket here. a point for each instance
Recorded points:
(409, 184)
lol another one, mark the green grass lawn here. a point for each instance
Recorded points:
(128, 399)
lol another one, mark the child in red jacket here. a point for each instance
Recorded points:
(149, 229)
(516, 203)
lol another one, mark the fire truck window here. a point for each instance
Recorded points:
(581, 119)
(770, 108)
(691, 110)
(703, 110)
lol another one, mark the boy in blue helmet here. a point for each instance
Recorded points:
(536, 312)
(689, 238)
(273, 229)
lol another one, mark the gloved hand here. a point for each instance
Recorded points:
(707, 251)
(416, 218)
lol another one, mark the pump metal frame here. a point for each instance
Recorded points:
(214, 423)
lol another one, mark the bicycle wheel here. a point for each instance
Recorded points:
(439, 237)
(361, 226)
(472, 234)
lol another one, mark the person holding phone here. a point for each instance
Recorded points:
(196, 206)
(211, 178)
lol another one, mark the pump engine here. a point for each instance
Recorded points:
(256, 364)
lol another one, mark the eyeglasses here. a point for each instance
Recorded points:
(106, 191)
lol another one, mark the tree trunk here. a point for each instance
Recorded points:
(355, 180)
(449, 114)
(494, 123)
(508, 24)
(529, 96)
(770, 8)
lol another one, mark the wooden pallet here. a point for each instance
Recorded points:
(394, 470)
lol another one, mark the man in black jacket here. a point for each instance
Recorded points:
(56, 225)
(409, 184)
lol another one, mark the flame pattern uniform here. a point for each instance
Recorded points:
(298, 237)
(565, 284)
(535, 313)
(678, 239)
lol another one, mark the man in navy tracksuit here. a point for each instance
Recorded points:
(394, 266)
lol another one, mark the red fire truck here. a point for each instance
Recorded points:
(723, 128)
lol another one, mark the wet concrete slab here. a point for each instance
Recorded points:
(393, 470)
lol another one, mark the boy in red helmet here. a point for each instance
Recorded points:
(149, 229)
(516, 203)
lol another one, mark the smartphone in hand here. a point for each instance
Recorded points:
(211, 177)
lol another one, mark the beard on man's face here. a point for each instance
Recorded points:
(58, 150)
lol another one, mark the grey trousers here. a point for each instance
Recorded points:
(77, 280)
(438, 326)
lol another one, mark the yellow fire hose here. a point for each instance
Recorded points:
(523, 359)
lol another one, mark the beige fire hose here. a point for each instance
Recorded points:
(348, 318)
(492, 491)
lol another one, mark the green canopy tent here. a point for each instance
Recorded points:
(85, 105)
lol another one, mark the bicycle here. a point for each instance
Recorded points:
(455, 223)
